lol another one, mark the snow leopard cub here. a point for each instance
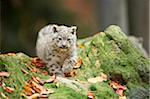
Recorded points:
(56, 46)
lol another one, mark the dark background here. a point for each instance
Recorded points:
(20, 20)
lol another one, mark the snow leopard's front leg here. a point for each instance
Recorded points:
(69, 63)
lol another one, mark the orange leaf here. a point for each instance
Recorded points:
(8, 89)
(101, 78)
(6, 74)
(38, 88)
(119, 92)
(36, 70)
(28, 90)
(78, 64)
(34, 96)
(38, 62)
(37, 80)
(90, 95)
(114, 84)
(119, 88)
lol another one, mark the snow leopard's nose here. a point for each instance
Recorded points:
(64, 46)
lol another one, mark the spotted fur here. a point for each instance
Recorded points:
(56, 46)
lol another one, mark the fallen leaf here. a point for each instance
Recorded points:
(114, 84)
(3, 96)
(5, 74)
(34, 89)
(78, 64)
(38, 62)
(119, 88)
(119, 92)
(34, 96)
(24, 71)
(8, 89)
(38, 88)
(28, 90)
(38, 80)
(101, 78)
(51, 79)
(46, 91)
(104, 76)
(90, 95)
(35, 70)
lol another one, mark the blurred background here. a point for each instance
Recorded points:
(20, 20)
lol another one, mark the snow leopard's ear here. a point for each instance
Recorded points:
(54, 28)
(74, 29)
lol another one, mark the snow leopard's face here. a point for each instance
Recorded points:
(65, 37)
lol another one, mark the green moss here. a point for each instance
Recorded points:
(63, 92)
(103, 91)
(109, 52)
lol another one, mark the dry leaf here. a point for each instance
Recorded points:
(5, 74)
(35, 70)
(46, 91)
(33, 89)
(24, 71)
(119, 92)
(8, 89)
(119, 88)
(101, 78)
(34, 96)
(28, 90)
(78, 64)
(38, 88)
(38, 62)
(90, 95)
(114, 84)
(3, 96)
(51, 79)
(38, 80)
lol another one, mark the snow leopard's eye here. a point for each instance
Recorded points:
(72, 32)
(68, 39)
(60, 38)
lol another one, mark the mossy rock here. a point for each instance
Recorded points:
(109, 52)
